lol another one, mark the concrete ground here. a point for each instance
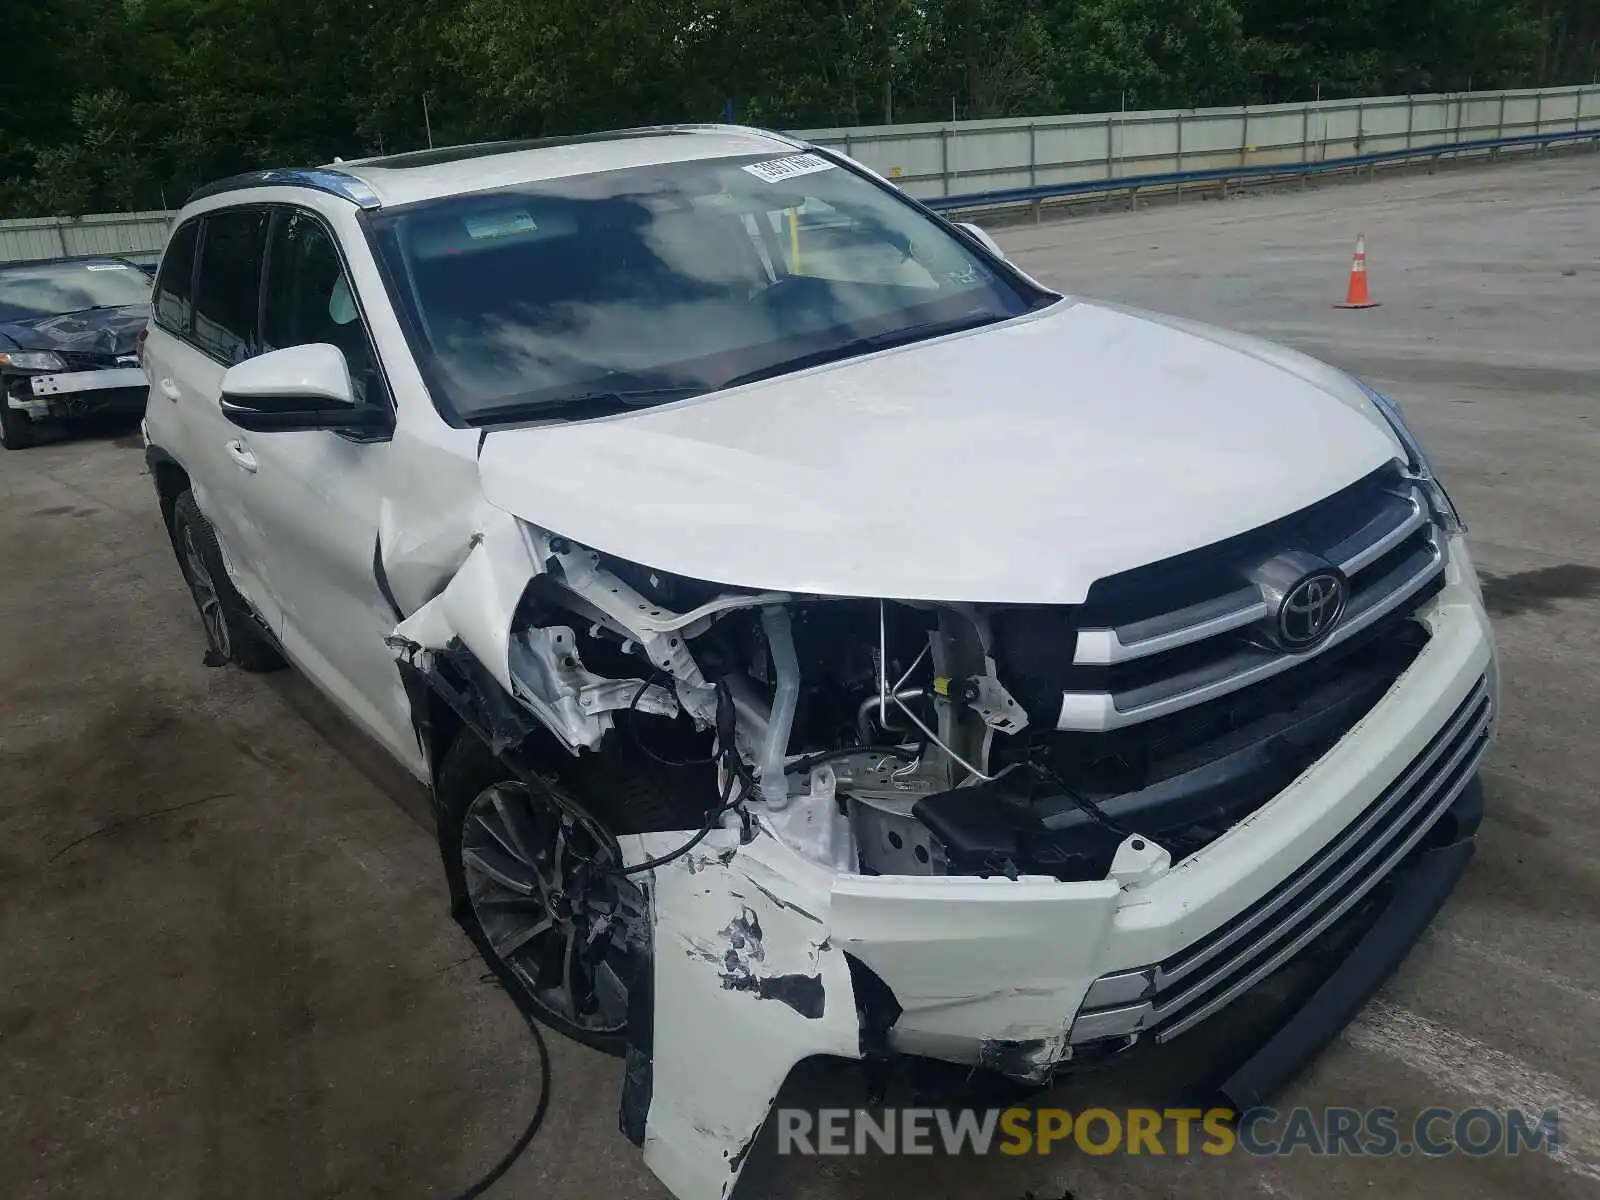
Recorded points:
(226, 969)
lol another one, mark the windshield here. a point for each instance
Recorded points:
(644, 285)
(49, 289)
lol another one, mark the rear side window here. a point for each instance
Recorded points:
(309, 299)
(229, 287)
(171, 304)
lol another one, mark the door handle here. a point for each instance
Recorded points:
(169, 389)
(242, 458)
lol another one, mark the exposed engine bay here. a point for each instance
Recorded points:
(885, 737)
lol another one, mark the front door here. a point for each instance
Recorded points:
(319, 514)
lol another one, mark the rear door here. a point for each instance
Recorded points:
(171, 319)
(200, 336)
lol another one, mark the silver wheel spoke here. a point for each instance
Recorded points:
(500, 838)
(500, 868)
(511, 904)
(516, 939)
(513, 816)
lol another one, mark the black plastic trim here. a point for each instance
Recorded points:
(638, 1074)
(1418, 892)
(381, 575)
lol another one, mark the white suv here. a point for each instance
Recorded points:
(821, 639)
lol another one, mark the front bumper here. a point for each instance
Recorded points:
(79, 393)
(763, 959)
(1166, 999)
(1027, 971)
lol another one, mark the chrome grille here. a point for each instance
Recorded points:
(1173, 996)
(1380, 534)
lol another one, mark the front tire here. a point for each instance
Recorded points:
(529, 879)
(231, 629)
(16, 427)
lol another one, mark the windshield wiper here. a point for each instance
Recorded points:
(862, 345)
(600, 403)
(73, 312)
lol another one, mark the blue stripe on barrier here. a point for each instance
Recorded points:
(1027, 195)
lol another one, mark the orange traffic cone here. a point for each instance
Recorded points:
(1358, 296)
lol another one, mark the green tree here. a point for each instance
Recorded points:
(1151, 54)
(131, 103)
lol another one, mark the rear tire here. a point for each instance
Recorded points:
(232, 631)
(16, 427)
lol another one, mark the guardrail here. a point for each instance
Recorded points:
(1178, 180)
(959, 158)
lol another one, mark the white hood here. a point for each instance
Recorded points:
(1017, 463)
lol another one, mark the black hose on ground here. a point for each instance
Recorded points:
(497, 1172)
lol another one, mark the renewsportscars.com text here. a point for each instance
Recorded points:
(1261, 1132)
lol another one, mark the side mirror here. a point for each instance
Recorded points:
(303, 387)
(982, 238)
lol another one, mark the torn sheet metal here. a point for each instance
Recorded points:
(744, 973)
(424, 540)
(479, 604)
(576, 704)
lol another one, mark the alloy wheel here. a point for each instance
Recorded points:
(206, 596)
(537, 875)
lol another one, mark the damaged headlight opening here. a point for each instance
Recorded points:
(872, 736)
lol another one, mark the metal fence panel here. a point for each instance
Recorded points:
(140, 235)
(931, 160)
(954, 158)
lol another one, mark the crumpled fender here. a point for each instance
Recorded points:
(479, 603)
(742, 969)
(747, 984)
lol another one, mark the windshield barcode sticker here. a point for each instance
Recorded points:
(500, 224)
(776, 170)
(109, 267)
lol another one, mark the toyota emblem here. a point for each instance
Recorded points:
(1310, 610)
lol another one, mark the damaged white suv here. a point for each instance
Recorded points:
(821, 640)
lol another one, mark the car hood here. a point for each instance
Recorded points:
(1016, 463)
(112, 331)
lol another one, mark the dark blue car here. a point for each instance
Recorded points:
(69, 334)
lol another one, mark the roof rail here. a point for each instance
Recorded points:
(437, 155)
(451, 154)
(321, 179)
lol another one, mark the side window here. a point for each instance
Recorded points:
(171, 304)
(309, 300)
(229, 286)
